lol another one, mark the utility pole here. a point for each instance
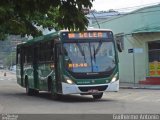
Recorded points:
(134, 67)
(11, 58)
(132, 50)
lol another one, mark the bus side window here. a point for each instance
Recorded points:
(18, 57)
(48, 51)
(28, 53)
(41, 52)
(18, 61)
(38, 53)
(52, 51)
(45, 51)
(25, 55)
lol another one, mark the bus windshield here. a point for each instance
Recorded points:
(89, 57)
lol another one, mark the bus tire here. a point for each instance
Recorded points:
(55, 96)
(35, 92)
(29, 91)
(97, 96)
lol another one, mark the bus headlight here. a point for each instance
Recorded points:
(68, 80)
(114, 78)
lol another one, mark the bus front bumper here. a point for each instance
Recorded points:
(89, 89)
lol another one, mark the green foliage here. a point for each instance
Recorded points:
(20, 16)
(10, 59)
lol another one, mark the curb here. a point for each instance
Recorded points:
(144, 87)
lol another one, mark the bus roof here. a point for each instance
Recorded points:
(50, 36)
(40, 38)
(90, 29)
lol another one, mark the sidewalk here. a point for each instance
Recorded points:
(6, 74)
(138, 86)
(123, 85)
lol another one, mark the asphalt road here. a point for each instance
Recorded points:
(14, 100)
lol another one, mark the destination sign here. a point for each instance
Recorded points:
(77, 65)
(87, 35)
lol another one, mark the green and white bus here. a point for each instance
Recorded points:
(69, 63)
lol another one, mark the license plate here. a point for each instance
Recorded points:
(93, 91)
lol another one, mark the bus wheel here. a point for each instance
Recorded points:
(55, 96)
(98, 96)
(29, 91)
(35, 92)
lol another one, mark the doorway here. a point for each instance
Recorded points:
(154, 58)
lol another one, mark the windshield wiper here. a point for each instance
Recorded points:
(81, 51)
(96, 50)
(94, 54)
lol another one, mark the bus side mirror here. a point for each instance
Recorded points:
(66, 58)
(119, 46)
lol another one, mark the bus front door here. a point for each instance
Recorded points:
(35, 68)
(58, 71)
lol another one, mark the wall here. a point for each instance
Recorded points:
(143, 19)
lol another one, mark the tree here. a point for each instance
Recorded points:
(10, 59)
(21, 16)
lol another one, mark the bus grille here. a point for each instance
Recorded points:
(99, 88)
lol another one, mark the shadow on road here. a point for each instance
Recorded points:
(72, 98)
(64, 98)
